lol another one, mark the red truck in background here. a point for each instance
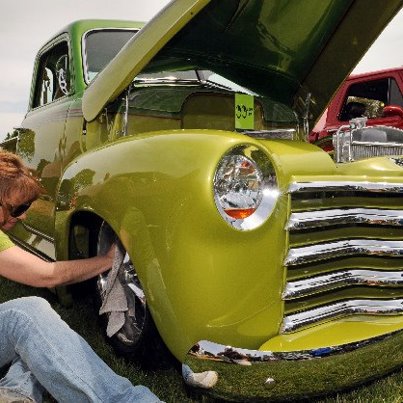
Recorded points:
(376, 95)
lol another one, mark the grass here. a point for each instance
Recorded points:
(167, 383)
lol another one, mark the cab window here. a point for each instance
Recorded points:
(53, 75)
(367, 99)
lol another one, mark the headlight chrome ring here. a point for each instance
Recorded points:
(245, 187)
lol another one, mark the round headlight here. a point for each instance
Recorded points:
(245, 188)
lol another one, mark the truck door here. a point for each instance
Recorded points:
(42, 140)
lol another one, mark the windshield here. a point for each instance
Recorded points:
(101, 46)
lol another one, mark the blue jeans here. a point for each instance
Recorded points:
(45, 353)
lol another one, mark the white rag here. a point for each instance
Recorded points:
(114, 301)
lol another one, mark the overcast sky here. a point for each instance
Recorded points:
(26, 25)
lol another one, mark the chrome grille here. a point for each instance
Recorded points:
(338, 252)
(356, 141)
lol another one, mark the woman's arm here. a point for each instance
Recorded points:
(23, 267)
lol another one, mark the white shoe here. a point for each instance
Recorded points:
(205, 380)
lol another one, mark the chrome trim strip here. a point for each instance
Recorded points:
(37, 232)
(298, 321)
(256, 375)
(32, 250)
(345, 186)
(325, 218)
(340, 249)
(354, 277)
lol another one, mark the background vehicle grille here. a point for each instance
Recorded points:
(343, 259)
(352, 143)
(361, 151)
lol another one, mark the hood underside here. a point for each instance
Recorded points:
(290, 51)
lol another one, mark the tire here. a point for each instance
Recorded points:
(138, 338)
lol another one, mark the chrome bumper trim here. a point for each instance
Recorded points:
(324, 218)
(246, 375)
(354, 277)
(301, 320)
(341, 249)
(345, 186)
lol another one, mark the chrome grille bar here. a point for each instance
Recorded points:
(345, 186)
(347, 216)
(341, 249)
(338, 310)
(354, 277)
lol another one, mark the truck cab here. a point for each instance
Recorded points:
(378, 96)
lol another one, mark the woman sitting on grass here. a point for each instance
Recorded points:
(44, 352)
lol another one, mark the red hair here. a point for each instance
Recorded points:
(16, 178)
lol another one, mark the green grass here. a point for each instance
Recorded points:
(167, 383)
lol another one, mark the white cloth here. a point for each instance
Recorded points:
(114, 301)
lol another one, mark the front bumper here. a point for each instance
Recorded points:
(254, 375)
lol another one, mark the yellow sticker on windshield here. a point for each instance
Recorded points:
(244, 111)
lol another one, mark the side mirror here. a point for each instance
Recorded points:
(393, 111)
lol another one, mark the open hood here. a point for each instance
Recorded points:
(296, 52)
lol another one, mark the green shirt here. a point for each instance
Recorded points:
(5, 241)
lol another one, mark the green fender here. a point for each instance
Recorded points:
(203, 279)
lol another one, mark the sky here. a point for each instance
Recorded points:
(26, 25)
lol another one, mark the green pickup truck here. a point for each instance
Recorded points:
(251, 252)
